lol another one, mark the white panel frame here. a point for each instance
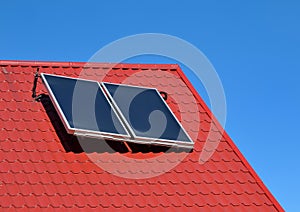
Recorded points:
(131, 136)
(78, 131)
(149, 140)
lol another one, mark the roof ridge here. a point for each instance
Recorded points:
(82, 64)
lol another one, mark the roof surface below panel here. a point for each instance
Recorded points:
(44, 167)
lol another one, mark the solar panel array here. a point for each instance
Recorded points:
(115, 111)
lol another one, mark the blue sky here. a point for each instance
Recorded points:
(254, 46)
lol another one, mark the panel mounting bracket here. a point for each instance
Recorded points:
(35, 80)
(164, 95)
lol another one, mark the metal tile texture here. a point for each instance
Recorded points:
(42, 167)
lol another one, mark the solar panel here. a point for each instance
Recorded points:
(149, 117)
(83, 107)
(114, 111)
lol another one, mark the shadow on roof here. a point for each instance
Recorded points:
(76, 144)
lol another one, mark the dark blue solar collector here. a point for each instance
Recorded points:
(149, 117)
(83, 107)
(114, 111)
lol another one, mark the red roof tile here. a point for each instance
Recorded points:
(41, 168)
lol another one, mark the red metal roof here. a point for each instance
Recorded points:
(39, 170)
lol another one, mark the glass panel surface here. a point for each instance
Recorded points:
(84, 105)
(146, 112)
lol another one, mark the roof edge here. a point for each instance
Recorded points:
(230, 141)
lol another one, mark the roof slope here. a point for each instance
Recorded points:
(40, 167)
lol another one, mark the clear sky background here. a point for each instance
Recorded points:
(253, 45)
